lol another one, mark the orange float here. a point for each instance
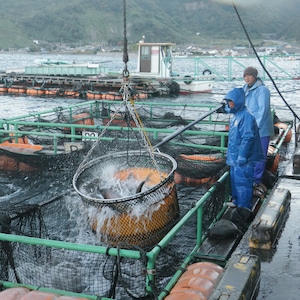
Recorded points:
(71, 298)
(83, 118)
(118, 120)
(3, 89)
(93, 95)
(69, 93)
(14, 89)
(15, 293)
(37, 295)
(197, 282)
(140, 95)
(34, 91)
(52, 92)
(22, 293)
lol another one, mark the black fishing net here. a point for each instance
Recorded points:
(46, 206)
(57, 216)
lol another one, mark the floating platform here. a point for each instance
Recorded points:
(269, 220)
(240, 280)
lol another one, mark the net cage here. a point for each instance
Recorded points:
(82, 270)
(131, 197)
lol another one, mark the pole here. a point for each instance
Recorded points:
(180, 130)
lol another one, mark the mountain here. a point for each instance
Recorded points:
(101, 22)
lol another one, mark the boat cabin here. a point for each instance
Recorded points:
(155, 59)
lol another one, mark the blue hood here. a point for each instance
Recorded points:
(237, 95)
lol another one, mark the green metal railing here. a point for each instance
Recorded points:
(151, 255)
(228, 68)
(195, 212)
(37, 125)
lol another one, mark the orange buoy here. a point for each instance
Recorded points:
(20, 147)
(110, 96)
(83, 118)
(197, 282)
(20, 140)
(15, 293)
(93, 95)
(186, 295)
(284, 126)
(118, 96)
(202, 285)
(70, 93)
(52, 92)
(118, 120)
(140, 95)
(22, 293)
(34, 91)
(3, 89)
(17, 89)
(70, 298)
(38, 295)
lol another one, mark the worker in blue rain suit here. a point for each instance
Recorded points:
(258, 103)
(244, 149)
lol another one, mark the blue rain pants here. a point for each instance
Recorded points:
(260, 166)
(242, 184)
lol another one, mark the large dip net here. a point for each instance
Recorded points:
(129, 200)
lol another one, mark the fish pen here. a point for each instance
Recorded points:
(81, 235)
(95, 241)
(50, 245)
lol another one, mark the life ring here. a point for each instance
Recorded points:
(206, 72)
(284, 126)
(188, 79)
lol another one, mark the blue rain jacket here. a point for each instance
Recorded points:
(244, 145)
(258, 102)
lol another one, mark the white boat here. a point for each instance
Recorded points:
(155, 61)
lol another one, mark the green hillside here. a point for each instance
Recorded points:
(80, 22)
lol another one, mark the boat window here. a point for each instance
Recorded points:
(145, 53)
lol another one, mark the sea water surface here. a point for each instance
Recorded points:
(280, 275)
